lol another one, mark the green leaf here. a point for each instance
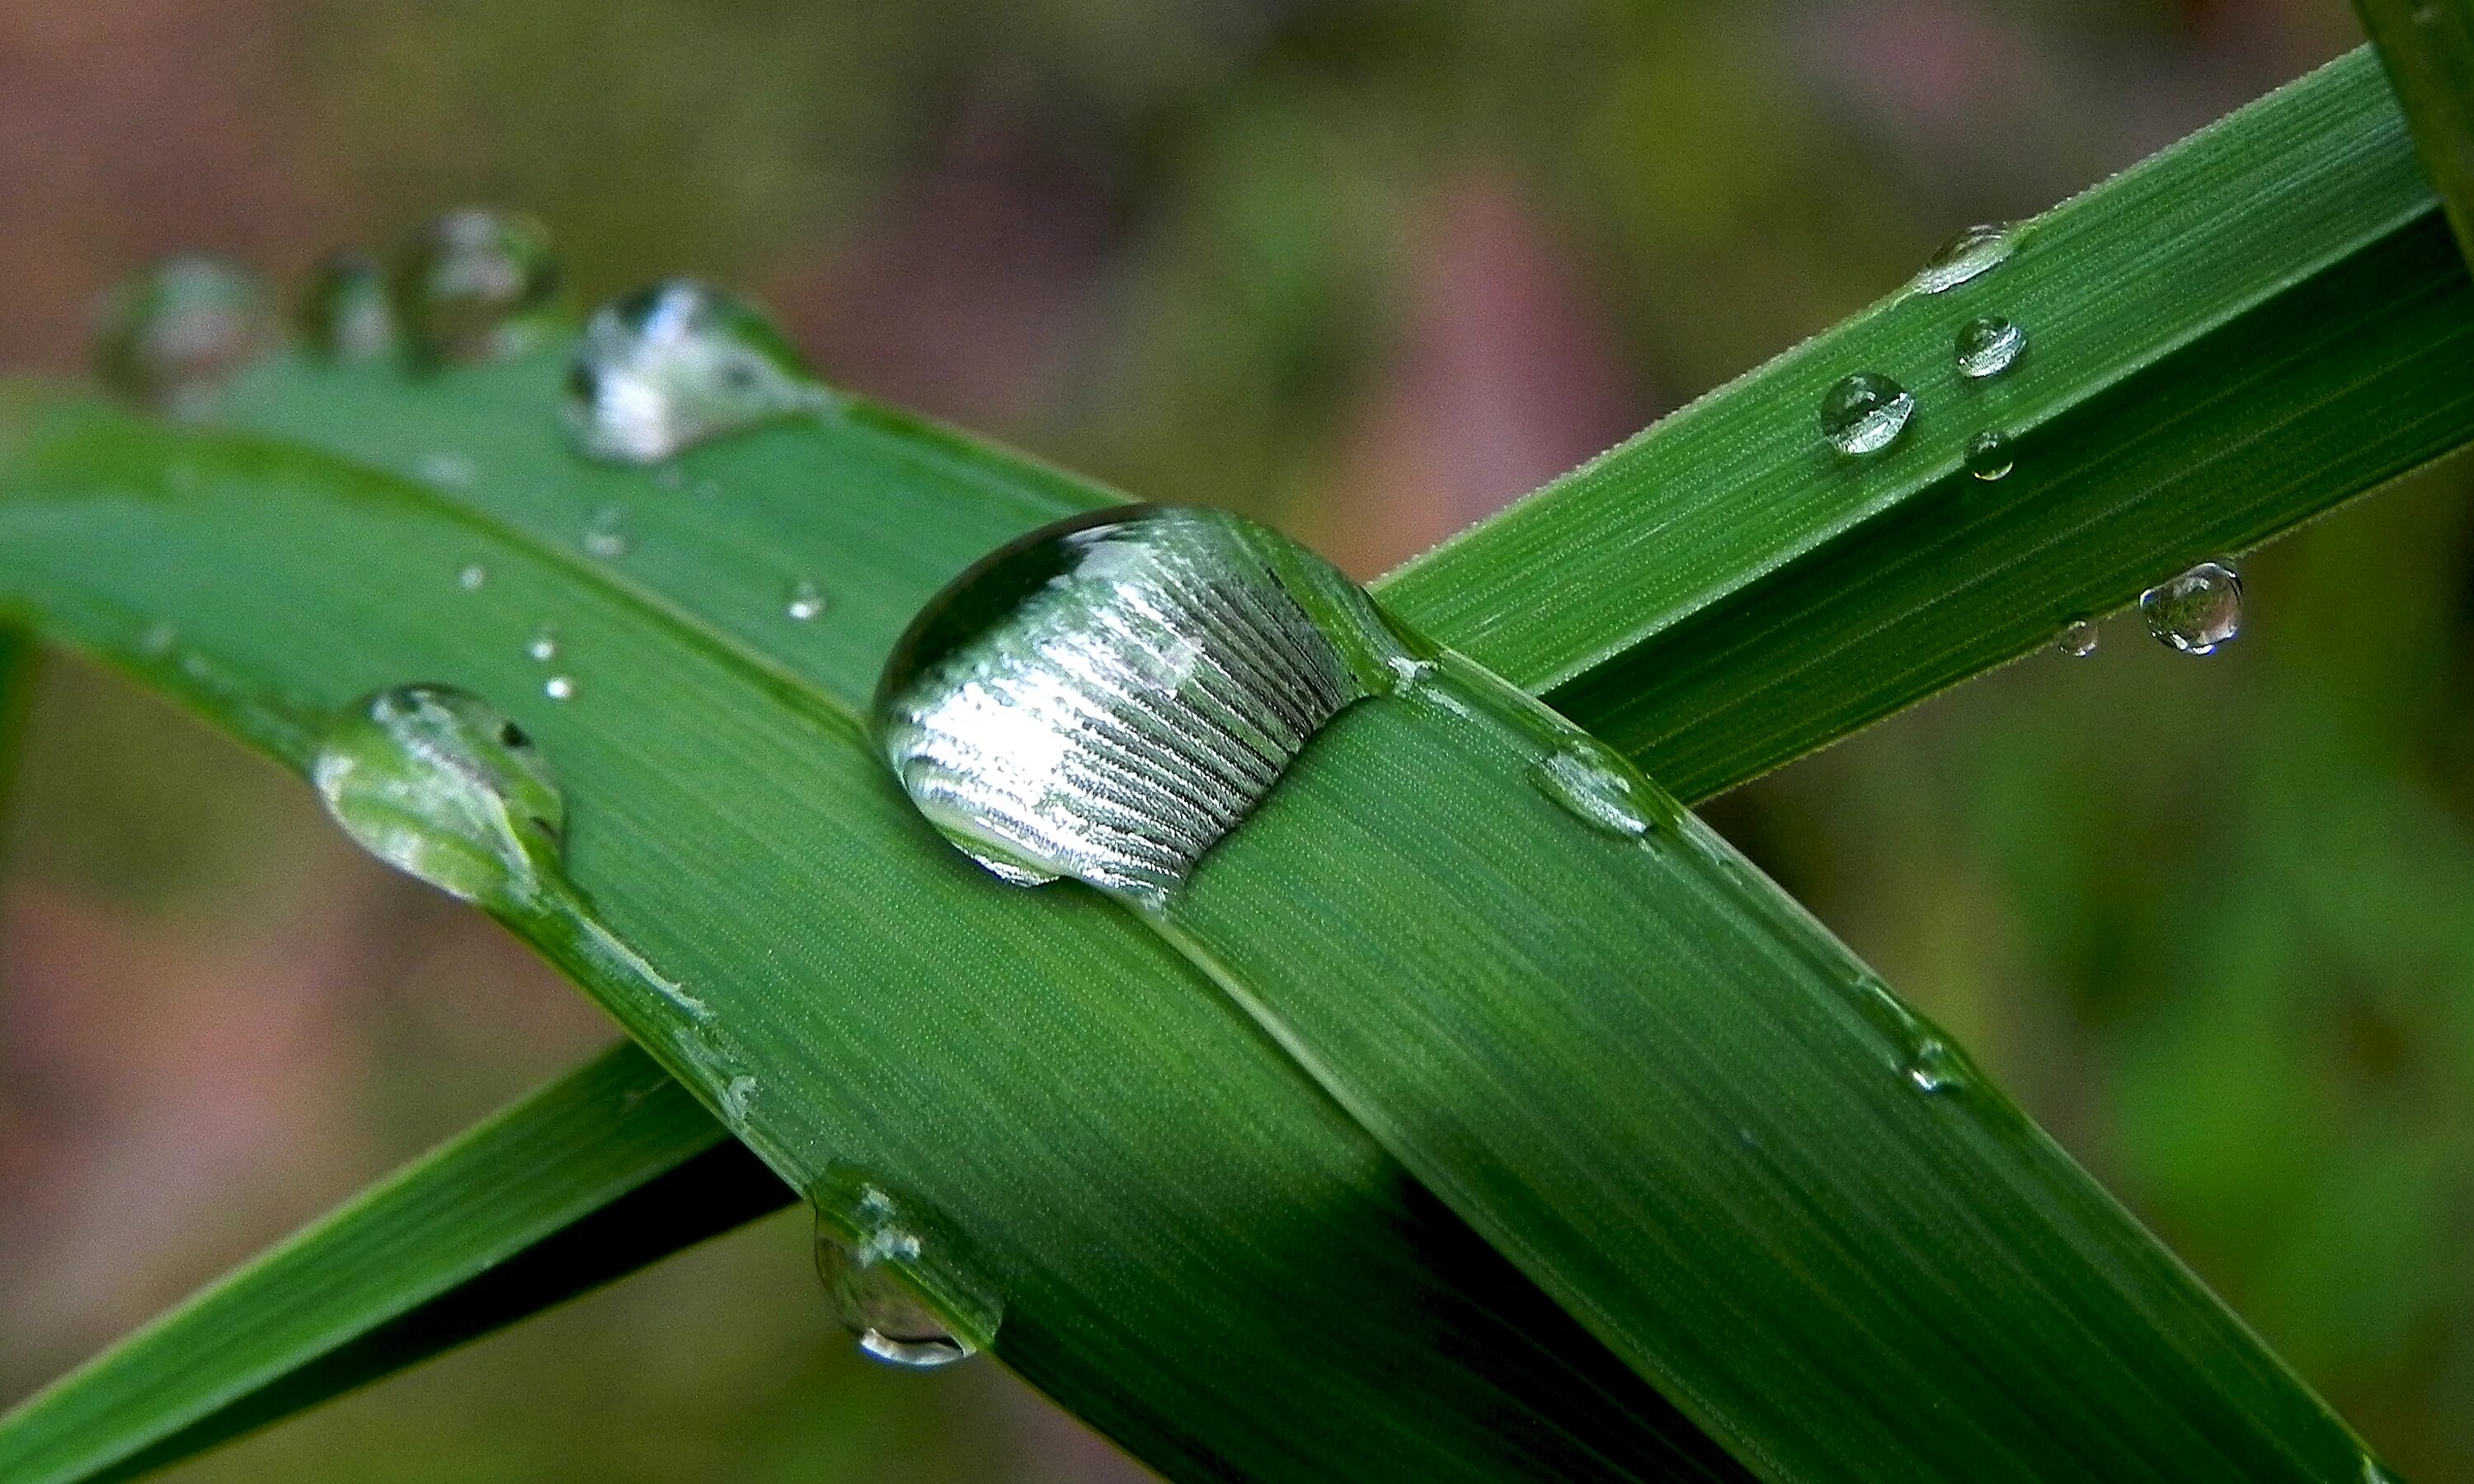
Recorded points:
(584, 1181)
(1186, 1235)
(2428, 48)
(2222, 342)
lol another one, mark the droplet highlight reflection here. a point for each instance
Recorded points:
(1989, 456)
(1593, 786)
(1864, 413)
(878, 1259)
(1109, 697)
(1970, 254)
(2079, 639)
(2197, 611)
(674, 365)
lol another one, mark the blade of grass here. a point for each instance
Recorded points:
(2427, 47)
(1176, 1219)
(584, 1181)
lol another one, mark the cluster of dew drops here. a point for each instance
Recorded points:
(1865, 413)
(657, 371)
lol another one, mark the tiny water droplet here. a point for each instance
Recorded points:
(877, 1275)
(439, 784)
(1865, 413)
(2078, 638)
(1593, 786)
(542, 645)
(1970, 254)
(344, 313)
(558, 687)
(173, 335)
(674, 365)
(2197, 610)
(1934, 1067)
(1109, 696)
(159, 640)
(605, 535)
(1987, 345)
(472, 578)
(1989, 456)
(474, 285)
(805, 601)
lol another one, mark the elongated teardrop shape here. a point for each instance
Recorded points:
(1108, 697)
(673, 365)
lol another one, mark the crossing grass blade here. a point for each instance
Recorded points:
(2427, 47)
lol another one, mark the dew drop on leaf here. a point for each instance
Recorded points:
(1989, 456)
(2078, 638)
(674, 365)
(1593, 786)
(344, 312)
(472, 577)
(1987, 345)
(1865, 413)
(605, 535)
(805, 601)
(441, 786)
(474, 285)
(2198, 611)
(878, 1261)
(1934, 1067)
(1970, 254)
(542, 646)
(1108, 697)
(172, 336)
(558, 687)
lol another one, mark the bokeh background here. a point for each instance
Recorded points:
(1368, 269)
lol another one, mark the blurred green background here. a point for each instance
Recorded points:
(1367, 269)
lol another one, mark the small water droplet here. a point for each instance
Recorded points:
(159, 640)
(1865, 413)
(558, 687)
(2078, 638)
(806, 601)
(474, 285)
(877, 1275)
(172, 336)
(439, 784)
(344, 313)
(1592, 785)
(473, 576)
(1109, 696)
(1988, 454)
(542, 645)
(1971, 252)
(447, 470)
(677, 364)
(1935, 1068)
(605, 535)
(2197, 611)
(1987, 345)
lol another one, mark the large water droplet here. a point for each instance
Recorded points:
(438, 783)
(1988, 454)
(1987, 345)
(1865, 413)
(2197, 611)
(1108, 697)
(344, 312)
(474, 285)
(674, 365)
(173, 335)
(1975, 251)
(2078, 638)
(876, 1259)
(1593, 786)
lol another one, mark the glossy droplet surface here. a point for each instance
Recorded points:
(1865, 413)
(2197, 611)
(439, 784)
(2078, 638)
(878, 1261)
(542, 646)
(1987, 345)
(805, 602)
(173, 335)
(1594, 787)
(344, 312)
(558, 687)
(474, 285)
(1970, 254)
(676, 363)
(1935, 1068)
(1989, 456)
(1108, 697)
